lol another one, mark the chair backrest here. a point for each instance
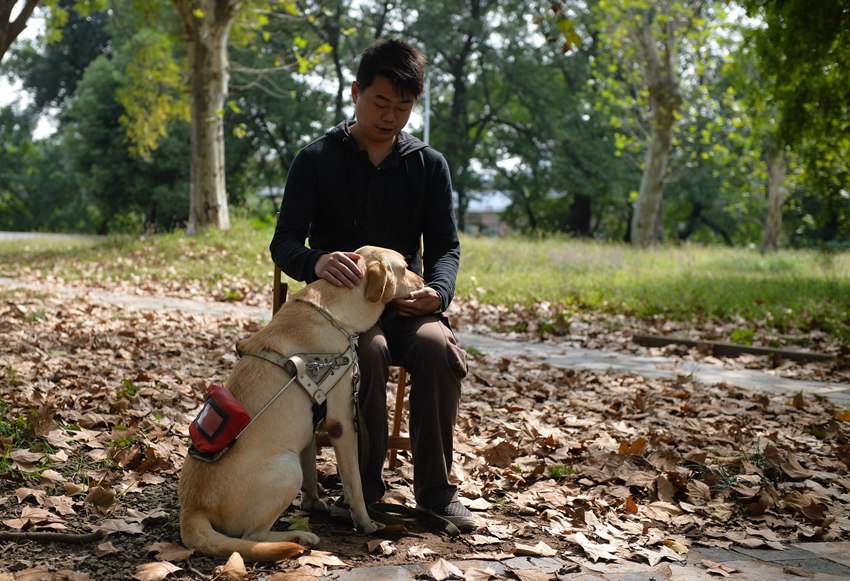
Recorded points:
(280, 288)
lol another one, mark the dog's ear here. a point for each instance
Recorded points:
(380, 285)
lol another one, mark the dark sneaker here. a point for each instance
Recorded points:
(455, 513)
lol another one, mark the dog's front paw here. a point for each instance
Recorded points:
(315, 506)
(371, 527)
(305, 538)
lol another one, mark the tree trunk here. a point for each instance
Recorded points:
(664, 99)
(462, 208)
(11, 29)
(775, 159)
(645, 218)
(529, 210)
(581, 215)
(207, 25)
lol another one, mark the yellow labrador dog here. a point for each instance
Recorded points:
(231, 504)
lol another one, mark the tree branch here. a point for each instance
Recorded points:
(50, 537)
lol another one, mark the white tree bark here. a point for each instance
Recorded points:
(664, 99)
(776, 170)
(207, 25)
(647, 216)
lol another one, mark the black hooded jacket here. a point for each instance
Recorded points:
(339, 201)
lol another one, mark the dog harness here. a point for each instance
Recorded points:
(316, 373)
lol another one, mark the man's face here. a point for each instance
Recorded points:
(381, 112)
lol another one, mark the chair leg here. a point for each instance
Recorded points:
(397, 415)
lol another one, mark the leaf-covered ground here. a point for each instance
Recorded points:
(589, 467)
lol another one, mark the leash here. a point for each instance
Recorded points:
(352, 337)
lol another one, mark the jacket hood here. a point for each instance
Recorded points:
(405, 144)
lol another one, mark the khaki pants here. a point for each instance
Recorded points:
(429, 351)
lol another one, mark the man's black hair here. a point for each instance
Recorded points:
(402, 64)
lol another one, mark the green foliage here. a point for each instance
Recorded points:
(17, 154)
(51, 72)
(128, 390)
(35, 316)
(122, 437)
(801, 51)
(743, 336)
(297, 523)
(10, 375)
(805, 46)
(128, 192)
(543, 101)
(15, 430)
(152, 93)
(559, 472)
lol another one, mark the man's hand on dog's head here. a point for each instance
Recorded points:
(419, 302)
(340, 268)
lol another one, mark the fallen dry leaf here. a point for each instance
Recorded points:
(476, 539)
(530, 575)
(117, 525)
(105, 548)
(381, 546)
(101, 499)
(169, 551)
(633, 448)
(44, 574)
(321, 559)
(476, 574)
(593, 551)
(479, 504)
(718, 568)
(418, 552)
(676, 546)
(541, 549)
(155, 571)
(442, 569)
(233, 570)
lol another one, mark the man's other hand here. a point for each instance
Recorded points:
(420, 302)
(340, 269)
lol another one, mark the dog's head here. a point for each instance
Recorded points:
(387, 276)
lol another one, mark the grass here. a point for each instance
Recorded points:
(791, 290)
(788, 290)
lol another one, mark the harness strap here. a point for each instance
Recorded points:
(319, 374)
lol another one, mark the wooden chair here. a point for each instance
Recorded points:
(395, 441)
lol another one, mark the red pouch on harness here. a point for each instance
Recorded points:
(220, 420)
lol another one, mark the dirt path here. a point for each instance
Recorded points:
(552, 353)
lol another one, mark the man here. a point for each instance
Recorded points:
(369, 182)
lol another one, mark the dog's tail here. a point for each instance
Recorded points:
(198, 533)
